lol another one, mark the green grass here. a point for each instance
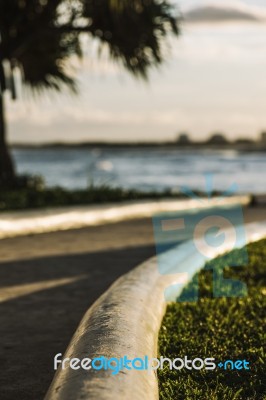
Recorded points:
(224, 328)
(31, 193)
(32, 198)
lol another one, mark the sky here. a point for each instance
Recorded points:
(213, 81)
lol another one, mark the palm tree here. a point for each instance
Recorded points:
(38, 37)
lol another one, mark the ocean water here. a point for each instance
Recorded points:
(145, 168)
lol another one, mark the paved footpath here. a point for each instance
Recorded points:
(47, 283)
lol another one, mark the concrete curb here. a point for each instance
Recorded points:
(50, 220)
(125, 321)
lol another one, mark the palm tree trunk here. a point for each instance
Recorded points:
(7, 171)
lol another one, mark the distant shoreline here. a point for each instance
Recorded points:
(237, 146)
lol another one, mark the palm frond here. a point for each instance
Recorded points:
(41, 35)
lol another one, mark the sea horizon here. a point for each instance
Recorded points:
(145, 168)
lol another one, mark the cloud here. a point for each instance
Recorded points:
(224, 12)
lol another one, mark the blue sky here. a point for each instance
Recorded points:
(214, 80)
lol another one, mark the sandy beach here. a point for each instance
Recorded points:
(49, 280)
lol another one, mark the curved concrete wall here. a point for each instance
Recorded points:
(50, 220)
(125, 321)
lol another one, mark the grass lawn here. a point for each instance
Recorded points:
(224, 328)
(32, 198)
(31, 193)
